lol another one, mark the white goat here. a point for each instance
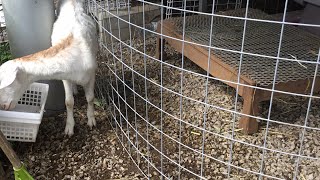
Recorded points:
(72, 58)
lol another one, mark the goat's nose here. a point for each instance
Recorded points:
(6, 107)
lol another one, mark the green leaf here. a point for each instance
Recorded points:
(5, 54)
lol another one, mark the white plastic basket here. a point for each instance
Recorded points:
(22, 123)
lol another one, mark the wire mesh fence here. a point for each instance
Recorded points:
(212, 94)
(195, 5)
(3, 32)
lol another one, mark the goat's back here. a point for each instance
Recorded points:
(73, 19)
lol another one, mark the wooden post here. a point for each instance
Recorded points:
(2, 172)
(9, 152)
(203, 6)
(250, 107)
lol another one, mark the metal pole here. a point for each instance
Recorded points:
(29, 25)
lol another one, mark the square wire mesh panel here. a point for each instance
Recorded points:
(261, 39)
(193, 5)
(177, 122)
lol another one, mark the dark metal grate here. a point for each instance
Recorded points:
(261, 38)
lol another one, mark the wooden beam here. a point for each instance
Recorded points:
(219, 69)
(199, 56)
(248, 124)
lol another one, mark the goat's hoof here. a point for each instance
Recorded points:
(91, 123)
(68, 130)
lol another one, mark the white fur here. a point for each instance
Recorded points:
(75, 64)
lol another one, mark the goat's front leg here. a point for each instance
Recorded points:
(89, 91)
(69, 104)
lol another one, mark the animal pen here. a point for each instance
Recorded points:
(212, 89)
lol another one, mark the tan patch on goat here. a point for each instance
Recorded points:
(50, 52)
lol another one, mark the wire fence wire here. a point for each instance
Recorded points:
(3, 32)
(188, 95)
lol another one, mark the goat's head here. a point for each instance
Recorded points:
(11, 86)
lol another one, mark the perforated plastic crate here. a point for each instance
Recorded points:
(22, 123)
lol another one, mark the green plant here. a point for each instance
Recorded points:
(5, 54)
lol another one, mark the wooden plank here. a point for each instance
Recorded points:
(9, 152)
(2, 172)
(302, 86)
(199, 56)
(252, 96)
(250, 107)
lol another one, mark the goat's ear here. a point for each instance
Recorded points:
(9, 76)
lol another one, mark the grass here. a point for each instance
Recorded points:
(5, 54)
